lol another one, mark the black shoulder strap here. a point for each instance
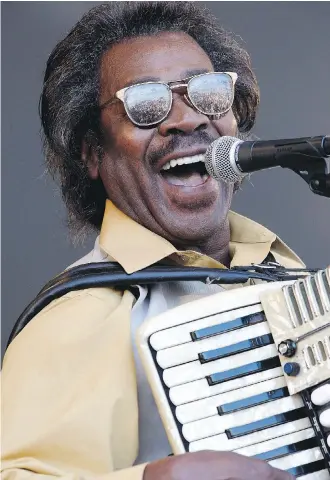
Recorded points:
(112, 275)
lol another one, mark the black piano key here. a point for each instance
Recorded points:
(253, 401)
(308, 468)
(243, 371)
(268, 422)
(288, 449)
(240, 347)
(228, 326)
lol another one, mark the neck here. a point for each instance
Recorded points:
(220, 253)
(216, 247)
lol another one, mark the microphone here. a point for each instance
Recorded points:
(230, 159)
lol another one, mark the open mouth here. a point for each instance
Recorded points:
(185, 171)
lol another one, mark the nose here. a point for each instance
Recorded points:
(183, 118)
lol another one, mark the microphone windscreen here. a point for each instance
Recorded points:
(220, 161)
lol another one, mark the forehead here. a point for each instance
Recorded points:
(166, 57)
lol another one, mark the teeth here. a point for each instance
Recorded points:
(183, 160)
(173, 163)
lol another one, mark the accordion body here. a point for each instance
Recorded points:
(235, 372)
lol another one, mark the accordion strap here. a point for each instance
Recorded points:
(112, 275)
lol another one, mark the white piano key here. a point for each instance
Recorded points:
(218, 424)
(297, 459)
(188, 352)
(276, 442)
(195, 370)
(208, 406)
(181, 333)
(200, 389)
(222, 443)
(320, 475)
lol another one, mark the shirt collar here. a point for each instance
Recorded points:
(135, 247)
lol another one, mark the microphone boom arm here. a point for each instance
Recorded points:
(314, 171)
(305, 156)
(311, 166)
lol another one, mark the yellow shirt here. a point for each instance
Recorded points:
(69, 396)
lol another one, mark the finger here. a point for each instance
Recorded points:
(281, 475)
(321, 395)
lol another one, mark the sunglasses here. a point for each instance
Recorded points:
(149, 103)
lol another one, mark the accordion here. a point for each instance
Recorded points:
(235, 372)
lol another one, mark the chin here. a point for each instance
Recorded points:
(194, 226)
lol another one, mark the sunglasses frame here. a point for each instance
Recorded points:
(176, 84)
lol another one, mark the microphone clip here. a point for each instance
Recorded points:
(320, 184)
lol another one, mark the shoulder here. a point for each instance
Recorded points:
(72, 321)
(74, 317)
(76, 314)
(248, 232)
(77, 307)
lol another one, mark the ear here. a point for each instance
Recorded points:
(91, 159)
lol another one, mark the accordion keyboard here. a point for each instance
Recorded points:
(220, 386)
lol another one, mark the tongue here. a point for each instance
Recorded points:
(190, 179)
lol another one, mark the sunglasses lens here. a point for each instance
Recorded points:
(211, 94)
(148, 103)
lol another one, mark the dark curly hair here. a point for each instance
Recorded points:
(69, 101)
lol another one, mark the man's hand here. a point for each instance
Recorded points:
(210, 465)
(321, 397)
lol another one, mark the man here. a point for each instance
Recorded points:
(130, 165)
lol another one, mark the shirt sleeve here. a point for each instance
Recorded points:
(69, 398)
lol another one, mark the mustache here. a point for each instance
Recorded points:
(179, 142)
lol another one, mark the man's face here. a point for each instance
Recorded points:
(184, 205)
